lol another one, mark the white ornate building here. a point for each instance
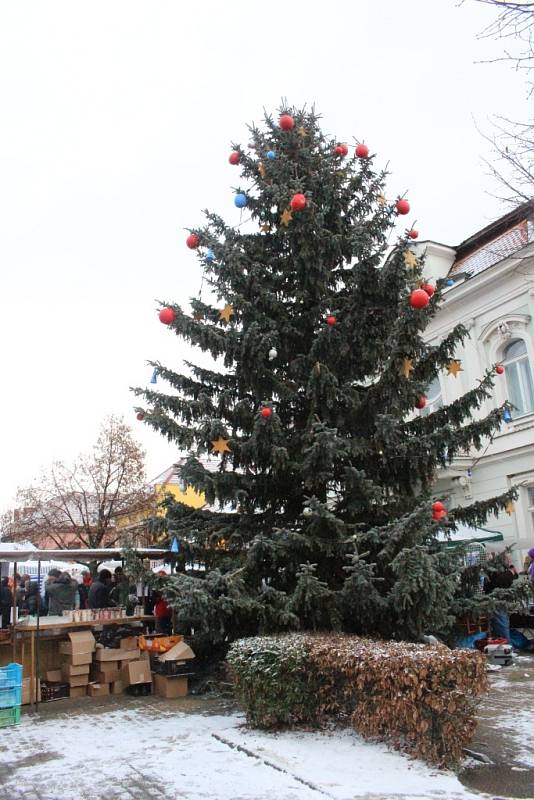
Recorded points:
(493, 296)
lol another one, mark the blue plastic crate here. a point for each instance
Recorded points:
(11, 697)
(10, 676)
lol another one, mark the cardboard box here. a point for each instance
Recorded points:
(26, 694)
(68, 669)
(77, 659)
(109, 676)
(129, 643)
(136, 672)
(54, 675)
(170, 687)
(116, 654)
(98, 689)
(106, 667)
(78, 691)
(79, 642)
(117, 687)
(180, 652)
(77, 680)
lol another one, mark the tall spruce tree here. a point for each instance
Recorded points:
(321, 507)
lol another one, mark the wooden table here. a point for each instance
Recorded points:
(92, 623)
(61, 628)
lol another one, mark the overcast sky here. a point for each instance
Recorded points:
(116, 119)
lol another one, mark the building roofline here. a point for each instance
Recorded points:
(494, 229)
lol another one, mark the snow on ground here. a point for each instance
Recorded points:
(198, 755)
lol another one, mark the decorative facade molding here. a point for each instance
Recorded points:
(505, 328)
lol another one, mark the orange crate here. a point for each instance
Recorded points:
(158, 644)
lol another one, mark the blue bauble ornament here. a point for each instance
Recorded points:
(271, 155)
(210, 256)
(240, 200)
(507, 417)
(450, 282)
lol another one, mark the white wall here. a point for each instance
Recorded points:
(502, 293)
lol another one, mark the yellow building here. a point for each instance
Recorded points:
(167, 483)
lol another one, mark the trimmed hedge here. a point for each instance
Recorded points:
(420, 698)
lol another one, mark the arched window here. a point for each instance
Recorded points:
(519, 377)
(434, 399)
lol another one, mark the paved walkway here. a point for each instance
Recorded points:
(505, 734)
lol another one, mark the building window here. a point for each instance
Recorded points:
(434, 399)
(519, 377)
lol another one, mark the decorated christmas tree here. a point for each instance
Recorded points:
(320, 511)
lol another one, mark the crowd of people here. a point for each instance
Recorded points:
(62, 593)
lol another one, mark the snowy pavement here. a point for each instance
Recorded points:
(153, 749)
(505, 733)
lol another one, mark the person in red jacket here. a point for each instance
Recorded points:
(163, 615)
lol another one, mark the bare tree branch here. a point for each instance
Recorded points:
(78, 505)
(512, 143)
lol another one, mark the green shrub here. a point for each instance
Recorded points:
(272, 681)
(418, 697)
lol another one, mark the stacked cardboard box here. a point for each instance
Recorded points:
(108, 675)
(172, 681)
(78, 655)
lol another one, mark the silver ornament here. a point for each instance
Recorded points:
(307, 512)
(272, 353)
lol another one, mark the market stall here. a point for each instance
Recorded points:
(35, 642)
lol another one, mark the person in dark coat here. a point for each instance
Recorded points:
(62, 595)
(499, 578)
(6, 603)
(51, 578)
(100, 589)
(31, 597)
(22, 582)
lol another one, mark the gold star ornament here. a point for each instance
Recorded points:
(261, 170)
(265, 228)
(287, 216)
(302, 132)
(226, 312)
(220, 445)
(454, 367)
(410, 259)
(381, 200)
(509, 508)
(406, 368)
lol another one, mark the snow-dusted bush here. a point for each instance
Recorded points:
(271, 679)
(421, 698)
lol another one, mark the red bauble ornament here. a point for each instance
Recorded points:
(298, 202)
(402, 206)
(420, 402)
(234, 157)
(193, 241)
(413, 234)
(428, 288)
(438, 506)
(419, 299)
(331, 320)
(362, 151)
(286, 122)
(140, 416)
(499, 369)
(341, 150)
(437, 515)
(167, 315)
(266, 412)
